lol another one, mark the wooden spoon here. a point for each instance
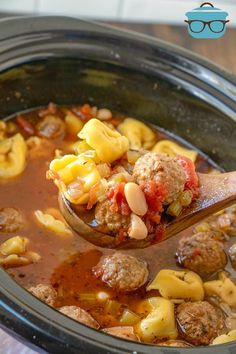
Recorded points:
(217, 191)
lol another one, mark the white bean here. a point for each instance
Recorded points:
(138, 229)
(135, 198)
(104, 114)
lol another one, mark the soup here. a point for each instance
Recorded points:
(180, 292)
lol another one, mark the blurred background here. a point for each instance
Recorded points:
(144, 11)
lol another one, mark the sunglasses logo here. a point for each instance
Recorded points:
(207, 22)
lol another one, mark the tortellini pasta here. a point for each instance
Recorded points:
(172, 149)
(76, 175)
(224, 288)
(109, 144)
(14, 245)
(13, 252)
(81, 146)
(52, 224)
(160, 322)
(73, 124)
(138, 133)
(13, 153)
(225, 338)
(174, 284)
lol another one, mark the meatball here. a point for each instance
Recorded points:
(11, 220)
(201, 253)
(51, 127)
(44, 292)
(199, 322)
(122, 272)
(126, 332)
(79, 315)
(162, 169)
(114, 221)
(227, 221)
(176, 343)
(232, 255)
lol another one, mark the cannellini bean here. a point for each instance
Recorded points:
(138, 229)
(104, 114)
(135, 198)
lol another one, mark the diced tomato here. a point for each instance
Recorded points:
(25, 125)
(83, 112)
(121, 237)
(93, 196)
(114, 122)
(50, 109)
(191, 175)
(155, 195)
(117, 196)
(86, 109)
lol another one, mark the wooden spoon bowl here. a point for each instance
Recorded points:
(217, 191)
(92, 234)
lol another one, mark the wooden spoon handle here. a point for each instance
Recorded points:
(217, 191)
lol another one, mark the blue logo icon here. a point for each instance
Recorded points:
(206, 22)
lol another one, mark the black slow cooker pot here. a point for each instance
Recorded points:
(67, 61)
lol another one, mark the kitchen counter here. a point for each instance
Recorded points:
(221, 51)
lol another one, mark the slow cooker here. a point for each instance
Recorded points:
(66, 60)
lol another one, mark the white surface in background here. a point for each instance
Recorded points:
(88, 8)
(157, 11)
(169, 11)
(172, 11)
(10, 345)
(18, 5)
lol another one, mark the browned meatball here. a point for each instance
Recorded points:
(79, 315)
(122, 272)
(162, 169)
(51, 127)
(232, 255)
(201, 253)
(126, 332)
(227, 221)
(114, 221)
(176, 343)
(44, 292)
(11, 220)
(199, 322)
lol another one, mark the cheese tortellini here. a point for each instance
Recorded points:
(49, 222)
(81, 146)
(224, 288)
(13, 153)
(75, 175)
(174, 284)
(160, 322)
(225, 338)
(14, 245)
(172, 149)
(13, 253)
(139, 134)
(109, 144)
